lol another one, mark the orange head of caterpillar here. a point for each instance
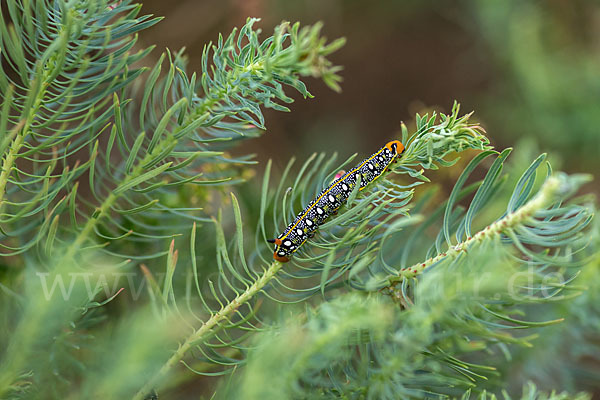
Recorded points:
(395, 146)
(278, 254)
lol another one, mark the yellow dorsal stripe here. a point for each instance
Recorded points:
(338, 182)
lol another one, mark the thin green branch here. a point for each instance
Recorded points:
(46, 75)
(111, 199)
(24, 127)
(207, 327)
(165, 142)
(544, 198)
(9, 160)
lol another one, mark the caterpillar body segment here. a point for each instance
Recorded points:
(331, 199)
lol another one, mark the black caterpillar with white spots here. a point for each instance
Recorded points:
(331, 199)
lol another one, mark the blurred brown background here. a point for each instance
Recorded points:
(528, 68)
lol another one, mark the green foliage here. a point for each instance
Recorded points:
(61, 64)
(131, 173)
(546, 58)
(466, 304)
(130, 266)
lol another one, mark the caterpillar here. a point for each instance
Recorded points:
(331, 199)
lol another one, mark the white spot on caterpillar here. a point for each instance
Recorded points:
(327, 201)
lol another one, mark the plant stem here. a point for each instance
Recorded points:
(204, 111)
(8, 163)
(545, 197)
(207, 328)
(43, 77)
(112, 198)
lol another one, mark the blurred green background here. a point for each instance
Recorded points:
(530, 70)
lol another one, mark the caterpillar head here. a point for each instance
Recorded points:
(395, 146)
(281, 253)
